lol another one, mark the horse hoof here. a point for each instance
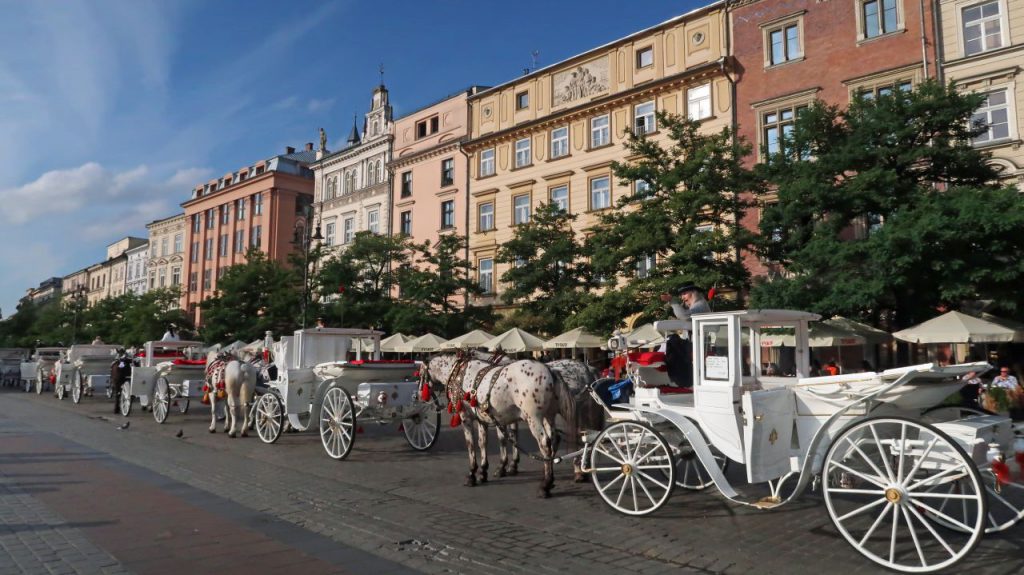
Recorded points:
(500, 473)
(513, 471)
(579, 478)
(483, 477)
(213, 431)
(470, 481)
(231, 435)
(544, 494)
(245, 434)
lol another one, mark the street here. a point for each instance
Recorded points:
(80, 495)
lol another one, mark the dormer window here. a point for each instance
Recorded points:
(427, 127)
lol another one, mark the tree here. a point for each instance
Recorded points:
(251, 298)
(681, 225)
(549, 276)
(885, 211)
(354, 286)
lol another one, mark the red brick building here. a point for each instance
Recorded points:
(788, 53)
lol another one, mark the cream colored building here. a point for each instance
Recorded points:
(983, 51)
(552, 135)
(166, 259)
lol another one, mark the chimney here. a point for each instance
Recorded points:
(289, 150)
(309, 146)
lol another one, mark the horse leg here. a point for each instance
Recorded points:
(467, 429)
(247, 392)
(232, 406)
(503, 447)
(481, 431)
(540, 430)
(514, 440)
(213, 412)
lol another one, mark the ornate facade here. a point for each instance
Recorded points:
(165, 261)
(136, 272)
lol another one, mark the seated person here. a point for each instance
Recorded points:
(678, 359)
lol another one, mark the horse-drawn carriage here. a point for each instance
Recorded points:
(910, 486)
(168, 374)
(37, 372)
(10, 365)
(83, 370)
(318, 385)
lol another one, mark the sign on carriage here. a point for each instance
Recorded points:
(716, 367)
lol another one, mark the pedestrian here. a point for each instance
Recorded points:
(1004, 379)
(171, 334)
(971, 390)
(97, 341)
(692, 298)
(832, 368)
(320, 323)
(816, 370)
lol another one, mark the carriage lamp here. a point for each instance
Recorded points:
(77, 297)
(302, 235)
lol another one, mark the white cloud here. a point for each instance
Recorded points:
(319, 105)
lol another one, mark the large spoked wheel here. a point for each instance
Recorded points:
(421, 430)
(269, 418)
(945, 413)
(691, 473)
(632, 468)
(77, 386)
(60, 389)
(126, 399)
(161, 399)
(39, 381)
(183, 403)
(337, 423)
(890, 485)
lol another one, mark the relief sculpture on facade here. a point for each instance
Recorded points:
(579, 82)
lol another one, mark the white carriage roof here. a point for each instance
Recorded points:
(354, 332)
(175, 343)
(763, 315)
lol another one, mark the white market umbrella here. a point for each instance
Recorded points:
(957, 327)
(644, 336)
(475, 338)
(388, 344)
(421, 344)
(515, 340)
(573, 339)
(871, 335)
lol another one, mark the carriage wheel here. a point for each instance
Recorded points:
(39, 381)
(60, 389)
(889, 484)
(421, 429)
(77, 387)
(337, 423)
(269, 418)
(691, 473)
(161, 399)
(183, 405)
(126, 399)
(632, 468)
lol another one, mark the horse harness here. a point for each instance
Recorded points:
(453, 386)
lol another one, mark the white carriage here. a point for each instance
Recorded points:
(910, 486)
(168, 374)
(83, 370)
(10, 365)
(39, 371)
(318, 387)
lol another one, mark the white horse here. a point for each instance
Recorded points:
(237, 378)
(481, 393)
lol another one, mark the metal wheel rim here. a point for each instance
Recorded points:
(76, 388)
(885, 466)
(421, 430)
(632, 468)
(183, 405)
(126, 399)
(60, 390)
(39, 382)
(161, 402)
(268, 418)
(337, 423)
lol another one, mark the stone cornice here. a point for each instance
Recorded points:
(432, 152)
(351, 153)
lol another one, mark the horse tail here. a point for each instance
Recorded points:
(566, 405)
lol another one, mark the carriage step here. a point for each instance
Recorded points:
(768, 502)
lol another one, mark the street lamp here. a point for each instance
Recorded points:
(77, 297)
(304, 239)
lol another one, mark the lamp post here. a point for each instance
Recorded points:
(304, 240)
(77, 297)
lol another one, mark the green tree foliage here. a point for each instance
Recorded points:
(686, 220)
(354, 286)
(549, 274)
(252, 298)
(885, 211)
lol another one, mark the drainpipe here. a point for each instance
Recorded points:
(735, 112)
(465, 295)
(924, 41)
(936, 27)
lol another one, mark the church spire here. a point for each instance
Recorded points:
(353, 138)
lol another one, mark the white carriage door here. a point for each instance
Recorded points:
(768, 433)
(716, 395)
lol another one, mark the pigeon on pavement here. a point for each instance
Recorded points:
(124, 425)
(180, 433)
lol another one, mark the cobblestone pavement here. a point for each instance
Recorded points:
(384, 509)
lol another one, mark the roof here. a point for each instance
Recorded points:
(303, 156)
(471, 90)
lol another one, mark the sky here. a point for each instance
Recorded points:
(111, 111)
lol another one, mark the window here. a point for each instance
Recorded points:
(522, 100)
(982, 27)
(193, 279)
(641, 189)
(560, 197)
(407, 184)
(257, 204)
(207, 276)
(487, 162)
(485, 273)
(175, 276)
(644, 265)
(239, 241)
(560, 142)
(179, 243)
(486, 217)
(698, 102)
(447, 172)
(240, 209)
(600, 193)
(521, 209)
(194, 256)
(885, 89)
(599, 132)
(163, 246)
(993, 114)
(223, 251)
(195, 223)
(645, 57)
(447, 214)
(348, 230)
(643, 118)
(776, 125)
(329, 233)
(256, 236)
(405, 223)
(221, 272)
(522, 152)
(225, 214)
(427, 127)
(208, 249)
(373, 221)
(879, 17)
(783, 44)
(211, 216)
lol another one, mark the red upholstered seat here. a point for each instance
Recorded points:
(648, 358)
(380, 361)
(672, 390)
(190, 362)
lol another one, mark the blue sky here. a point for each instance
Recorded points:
(111, 110)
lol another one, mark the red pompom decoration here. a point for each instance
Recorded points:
(425, 392)
(451, 407)
(1020, 463)
(711, 294)
(473, 402)
(1002, 471)
(456, 420)
(466, 396)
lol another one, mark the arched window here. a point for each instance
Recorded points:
(379, 172)
(369, 175)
